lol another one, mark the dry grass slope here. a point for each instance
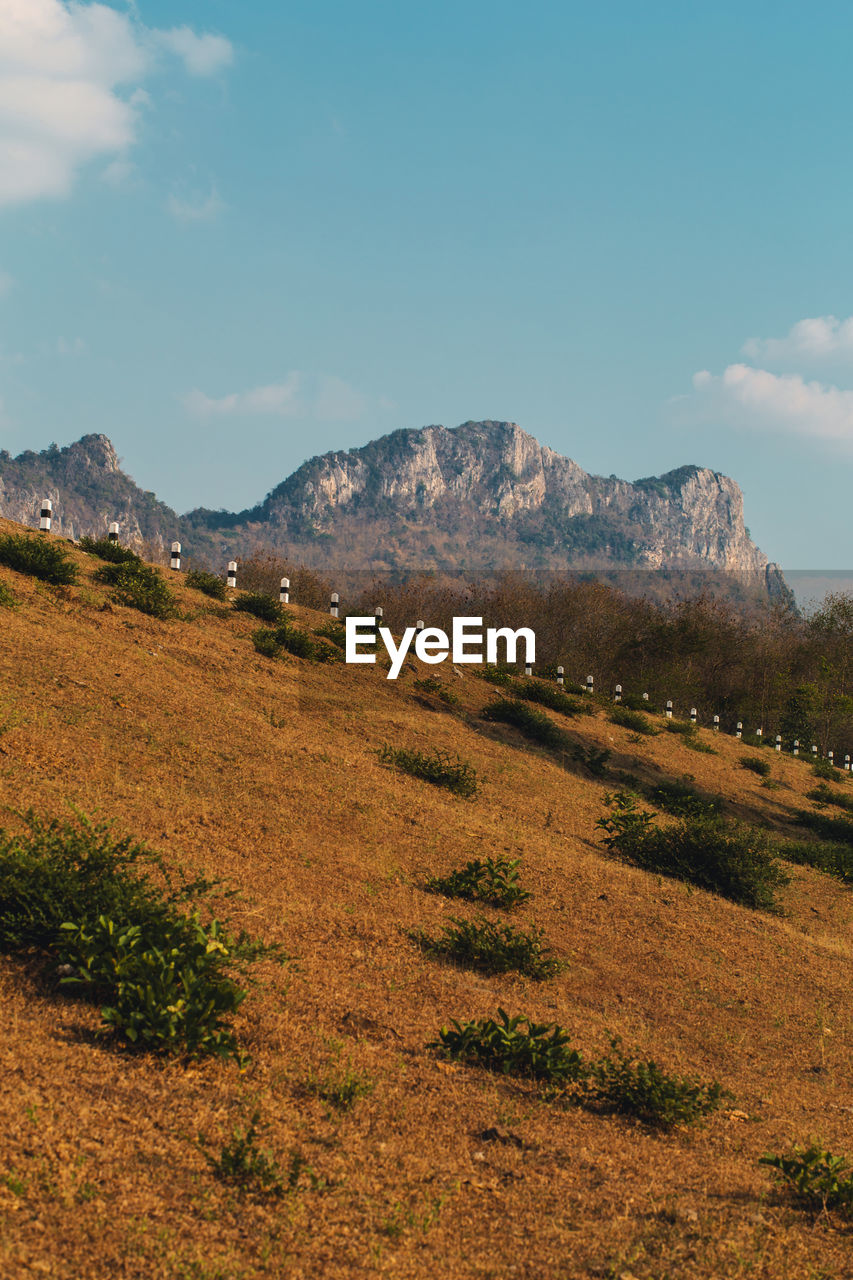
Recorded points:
(267, 773)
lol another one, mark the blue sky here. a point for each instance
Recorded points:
(233, 236)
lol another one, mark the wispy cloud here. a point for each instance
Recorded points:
(67, 71)
(195, 208)
(323, 399)
(819, 339)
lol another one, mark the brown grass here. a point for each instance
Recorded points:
(266, 773)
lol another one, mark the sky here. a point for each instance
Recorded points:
(236, 235)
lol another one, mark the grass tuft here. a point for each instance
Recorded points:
(39, 556)
(441, 768)
(112, 552)
(493, 881)
(493, 948)
(139, 586)
(816, 1178)
(210, 584)
(260, 605)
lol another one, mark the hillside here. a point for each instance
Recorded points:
(266, 773)
(479, 497)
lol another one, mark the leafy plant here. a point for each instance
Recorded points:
(496, 675)
(682, 800)
(260, 605)
(534, 724)
(7, 597)
(550, 695)
(210, 584)
(824, 769)
(246, 1165)
(756, 765)
(335, 632)
(113, 552)
(726, 858)
(39, 556)
(289, 639)
(684, 727)
(493, 948)
(823, 795)
(817, 1178)
(836, 830)
(493, 880)
(833, 858)
(441, 768)
(632, 1086)
(434, 686)
(513, 1046)
(341, 1088)
(633, 720)
(139, 586)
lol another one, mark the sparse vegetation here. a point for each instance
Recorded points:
(245, 1165)
(756, 765)
(441, 768)
(7, 596)
(433, 686)
(286, 638)
(550, 695)
(210, 584)
(340, 1087)
(139, 586)
(683, 800)
(833, 858)
(822, 794)
(490, 880)
(260, 605)
(632, 1086)
(513, 1046)
(726, 858)
(633, 720)
(113, 552)
(684, 727)
(817, 1179)
(496, 675)
(826, 770)
(493, 948)
(535, 725)
(39, 556)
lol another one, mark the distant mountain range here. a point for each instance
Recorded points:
(483, 496)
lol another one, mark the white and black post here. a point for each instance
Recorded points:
(692, 715)
(716, 724)
(669, 708)
(284, 591)
(759, 733)
(846, 764)
(561, 676)
(778, 742)
(814, 751)
(617, 693)
(231, 580)
(419, 626)
(796, 746)
(645, 697)
(46, 516)
(590, 684)
(335, 605)
(175, 562)
(832, 758)
(113, 532)
(739, 729)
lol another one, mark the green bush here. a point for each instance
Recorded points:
(125, 933)
(682, 800)
(634, 702)
(39, 556)
(334, 632)
(550, 695)
(818, 1179)
(113, 552)
(493, 948)
(494, 881)
(433, 686)
(633, 720)
(513, 1046)
(735, 861)
(260, 605)
(534, 724)
(627, 1085)
(139, 586)
(823, 795)
(496, 675)
(210, 584)
(756, 765)
(833, 858)
(441, 768)
(823, 769)
(7, 596)
(685, 727)
(289, 639)
(836, 830)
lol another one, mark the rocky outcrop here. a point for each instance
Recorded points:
(482, 496)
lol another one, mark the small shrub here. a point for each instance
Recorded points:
(245, 1165)
(685, 727)
(494, 881)
(836, 830)
(823, 795)
(630, 1086)
(7, 597)
(633, 720)
(818, 1179)
(441, 768)
(634, 702)
(113, 552)
(513, 1046)
(39, 556)
(341, 1088)
(756, 765)
(834, 859)
(823, 769)
(682, 800)
(334, 632)
(260, 605)
(493, 948)
(726, 858)
(696, 744)
(549, 695)
(432, 685)
(496, 675)
(535, 725)
(210, 584)
(139, 586)
(289, 639)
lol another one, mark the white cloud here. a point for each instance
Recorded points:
(195, 208)
(323, 399)
(202, 55)
(64, 70)
(758, 399)
(819, 339)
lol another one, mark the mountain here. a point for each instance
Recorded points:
(481, 496)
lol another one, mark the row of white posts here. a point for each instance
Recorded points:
(46, 519)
